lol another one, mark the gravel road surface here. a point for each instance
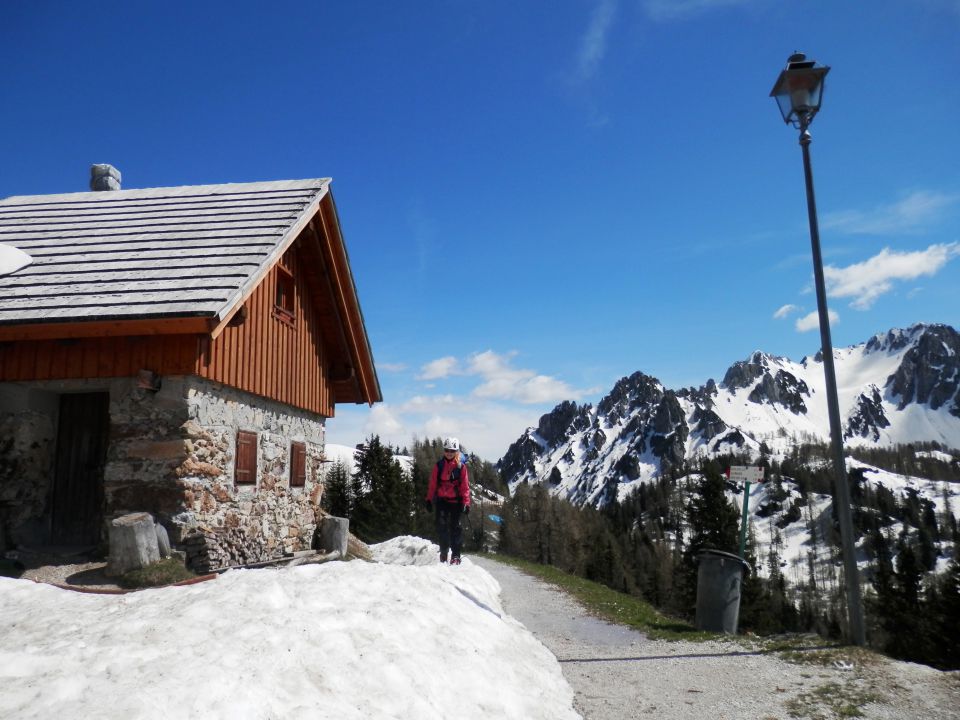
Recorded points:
(618, 673)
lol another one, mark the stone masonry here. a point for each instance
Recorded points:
(171, 453)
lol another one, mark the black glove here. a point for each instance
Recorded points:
(466, 509)
(428, 504)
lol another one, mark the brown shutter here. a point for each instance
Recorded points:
(246, 465)
(298, 464)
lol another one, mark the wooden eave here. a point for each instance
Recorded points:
(353, 374)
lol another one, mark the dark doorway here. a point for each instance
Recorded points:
(82, 435)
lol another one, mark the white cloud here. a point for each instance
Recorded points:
(909, 215)
(501, 380)
(812, 321)
(439, 368)
(486, 427)
(593, 44)
(868, 280)
(666, 10)
(785, 310)
(382, 422)
(483, 399)
(391, 367)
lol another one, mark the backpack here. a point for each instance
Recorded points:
(454, 474)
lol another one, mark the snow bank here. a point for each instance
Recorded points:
(349, 640)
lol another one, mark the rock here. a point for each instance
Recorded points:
(742, 374)
(163, 541)
(133, 543)
(553, 426)
(333, 533)
(867, 416)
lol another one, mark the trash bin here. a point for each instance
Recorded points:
(718, 590)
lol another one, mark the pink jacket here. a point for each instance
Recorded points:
(446, 489)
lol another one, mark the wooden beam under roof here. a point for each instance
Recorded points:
(105, 328)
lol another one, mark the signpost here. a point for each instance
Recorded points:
(745, 474)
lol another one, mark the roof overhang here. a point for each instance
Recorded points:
(353, 374)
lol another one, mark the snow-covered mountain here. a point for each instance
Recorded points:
(898, 387)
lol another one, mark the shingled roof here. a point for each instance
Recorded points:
(180, 261)
(153, 253)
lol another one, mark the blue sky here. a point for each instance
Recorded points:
(538, 198)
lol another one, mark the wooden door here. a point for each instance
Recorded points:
(82, 436)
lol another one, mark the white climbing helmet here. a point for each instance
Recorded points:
(451, 443)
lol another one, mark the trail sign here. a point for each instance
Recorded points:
(745, 473)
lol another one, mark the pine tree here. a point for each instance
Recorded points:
(714, 523)
(337, 491)
(944, 609)
(383, 496)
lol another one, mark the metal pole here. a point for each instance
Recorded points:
(841, 497)
(744, 519)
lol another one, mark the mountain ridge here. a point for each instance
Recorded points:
(897, 387)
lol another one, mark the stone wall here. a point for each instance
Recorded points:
(27, 440)
(246, 523)
(171, 453)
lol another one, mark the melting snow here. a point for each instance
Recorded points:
(402, 638)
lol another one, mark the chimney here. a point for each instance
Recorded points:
(104, 177)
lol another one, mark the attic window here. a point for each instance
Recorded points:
(283, 302)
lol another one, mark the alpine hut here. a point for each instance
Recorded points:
(177, 351)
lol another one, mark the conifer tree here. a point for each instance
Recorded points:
(384, 497)
(944, 608)
(714, 524)
(336, 492)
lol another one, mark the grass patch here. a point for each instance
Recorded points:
(616, 607)
(165, 572)
(832, 700)
(806, 649)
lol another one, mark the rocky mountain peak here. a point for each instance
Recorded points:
(629, 393)
(554, 426)
(743, 373)
(897, 339)
(930, 370)
(640, 429)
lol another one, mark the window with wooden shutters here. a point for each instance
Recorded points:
(245, 472)
(298, 464)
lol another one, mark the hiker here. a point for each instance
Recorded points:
(449, 494)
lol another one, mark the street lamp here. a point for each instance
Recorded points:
(799, 92)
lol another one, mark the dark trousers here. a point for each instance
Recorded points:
(449, 531)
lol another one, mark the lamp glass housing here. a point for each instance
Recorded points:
(799, 91)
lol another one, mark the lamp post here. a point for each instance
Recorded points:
(799, 92)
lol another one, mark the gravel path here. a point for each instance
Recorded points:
(618, 673)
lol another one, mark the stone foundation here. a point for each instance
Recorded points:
(171, 453)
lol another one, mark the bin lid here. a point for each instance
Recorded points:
(727, 555)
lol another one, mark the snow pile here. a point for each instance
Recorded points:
(408, 550)
(339, 640)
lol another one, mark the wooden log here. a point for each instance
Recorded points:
(133, 543)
